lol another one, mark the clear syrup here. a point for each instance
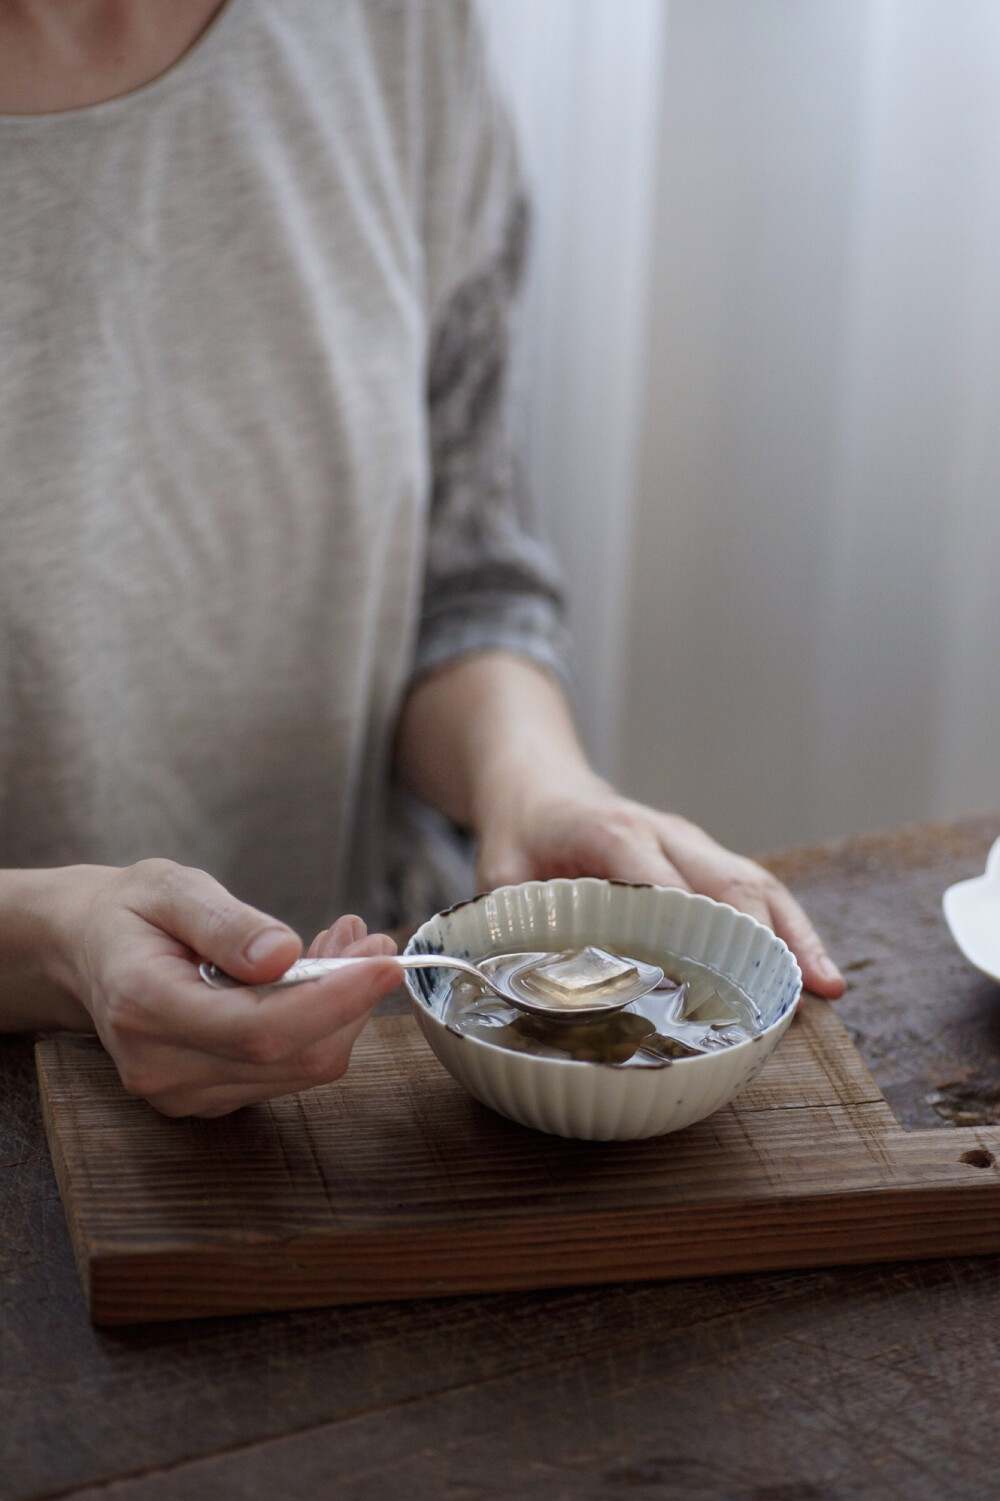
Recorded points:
(695, 1011)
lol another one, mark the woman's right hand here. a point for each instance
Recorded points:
(127, 944)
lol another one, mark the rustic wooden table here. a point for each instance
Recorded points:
(820, 1386)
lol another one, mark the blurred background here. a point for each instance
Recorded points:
(759, 384)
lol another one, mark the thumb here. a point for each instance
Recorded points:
(197, 909)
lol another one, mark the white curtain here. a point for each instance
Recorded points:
(763, 364)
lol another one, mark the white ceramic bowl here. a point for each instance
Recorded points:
(596, 1101)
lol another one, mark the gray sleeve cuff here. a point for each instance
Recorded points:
(529, 625)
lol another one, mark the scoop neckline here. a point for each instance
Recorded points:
(181, 71)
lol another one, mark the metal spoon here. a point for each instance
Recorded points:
(488, 971)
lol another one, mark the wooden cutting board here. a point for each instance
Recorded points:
(394, 1183)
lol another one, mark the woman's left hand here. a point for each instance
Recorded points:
(490, 740)
(583, 827)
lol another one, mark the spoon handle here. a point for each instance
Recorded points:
(440, 961)
(314, 969)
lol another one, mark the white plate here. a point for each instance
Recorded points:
(972, 911)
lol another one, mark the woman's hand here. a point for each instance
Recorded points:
(126, 946)
(583, 828)
(489, 739)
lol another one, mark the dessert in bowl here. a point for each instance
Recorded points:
(640, 1075)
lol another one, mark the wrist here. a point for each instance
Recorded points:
(485, 735)
(42, 985)
(513, 788)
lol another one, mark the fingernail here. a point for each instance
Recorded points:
(828, 969)
(264, 945)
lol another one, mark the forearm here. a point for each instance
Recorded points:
(34, 989)
(478, 729)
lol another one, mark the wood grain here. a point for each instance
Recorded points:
(394, 1183)
(879, 1382)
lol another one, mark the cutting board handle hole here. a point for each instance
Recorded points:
(978, 1157)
